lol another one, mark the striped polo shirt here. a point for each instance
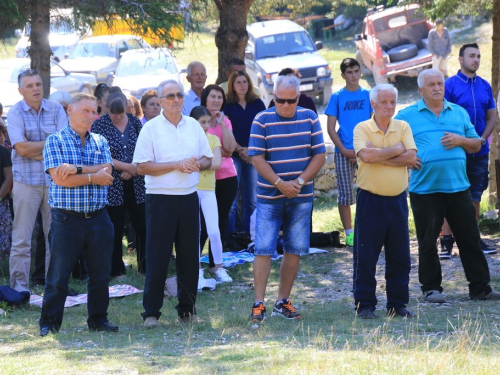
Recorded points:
(288, 145)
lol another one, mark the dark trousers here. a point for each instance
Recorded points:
(225, 192)
(171, 219)
(117, 215)
(38, 276)
(429, 210)
(381, 221)
(71, 236)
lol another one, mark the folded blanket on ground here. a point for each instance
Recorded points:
(233, 258)
(114, 291)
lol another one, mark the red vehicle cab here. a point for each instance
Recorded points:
(394, 42)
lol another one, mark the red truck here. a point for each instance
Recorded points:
(394, 43)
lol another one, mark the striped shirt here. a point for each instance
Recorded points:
(443, 171)
(65, 147)
(288, 146)
(25, 124)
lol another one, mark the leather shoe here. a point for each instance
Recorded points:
(105, 327)
(45, 330)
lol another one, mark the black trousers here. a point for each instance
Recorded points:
(429, 211)
(137, 214)
(225, 192)
(171, 219)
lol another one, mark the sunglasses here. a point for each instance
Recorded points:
(179, 95)
(283, 101)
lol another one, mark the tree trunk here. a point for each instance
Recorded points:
(231, 37)
(495, 85)
(40, 51)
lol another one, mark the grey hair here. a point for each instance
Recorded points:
(428, 72)
(81, 96)
(287, 82)
(192, 65)
(167, 82)
(382, 87)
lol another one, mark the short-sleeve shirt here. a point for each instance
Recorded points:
(375, 177)
(227, 168)
(24, 121)
(162, 142)
(65, 146)
(242, 118)
(442, 171)
(5, 161)
(350, 108)
(121, 151)
(207, 178)
(476, 97)
(288, 145)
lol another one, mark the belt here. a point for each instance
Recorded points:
(86, 215)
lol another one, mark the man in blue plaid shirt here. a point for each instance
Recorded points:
(79, 164)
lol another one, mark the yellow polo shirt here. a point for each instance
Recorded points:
(207, 178)
(378, 178)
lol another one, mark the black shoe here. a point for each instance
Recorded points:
(105, 327)
(446, 243)
(366, 314)
(400, 311)
(258, 312)
(487, 249)
(45, 330)
(187, 318)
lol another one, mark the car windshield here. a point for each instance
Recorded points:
(93, 50)
(158, 63)
(283, 44)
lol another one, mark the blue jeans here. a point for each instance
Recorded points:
(247, 190)
(295, 217)
(70, 236)
(381, 221)
(429, 211)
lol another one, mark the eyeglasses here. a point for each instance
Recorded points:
(283, 101)
(179, 95)
(27, 72)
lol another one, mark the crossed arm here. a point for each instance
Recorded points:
(395, 156)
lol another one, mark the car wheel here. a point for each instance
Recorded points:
(377, 77)
(404, 52)
(86, 90)
(324, 97)
(264, 95)
(364, 69)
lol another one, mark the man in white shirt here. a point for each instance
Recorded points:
(197, 77)
(171, 151)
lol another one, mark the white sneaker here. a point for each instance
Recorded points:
(222, 277)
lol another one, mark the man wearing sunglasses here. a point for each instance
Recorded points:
(287, 149)
(30, 121)
(171, 151)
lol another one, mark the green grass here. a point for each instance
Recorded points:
(458, 338)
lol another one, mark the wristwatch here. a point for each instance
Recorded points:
(300, 181)
(483, 141)
(78, 168)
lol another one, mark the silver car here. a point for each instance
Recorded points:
(100, 55)
(141, 70)
(60, 80)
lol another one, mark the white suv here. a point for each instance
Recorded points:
(275, 45)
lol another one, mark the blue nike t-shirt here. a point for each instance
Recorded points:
(350, 108)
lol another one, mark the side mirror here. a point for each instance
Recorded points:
(66, 55)
(248, 55)
(110, 78)
(319, 45)
(18, 33)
